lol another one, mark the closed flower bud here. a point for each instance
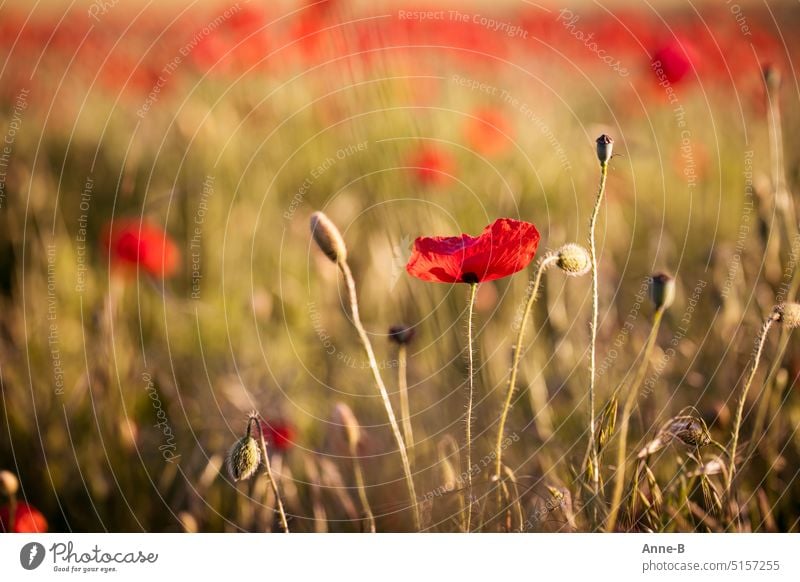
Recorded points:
(772, 77)
(8, 484)
(605, 147)
(662, 290)
(788, 314)
(401, 334)
(244, 458)
(574, 260)
(328, 237)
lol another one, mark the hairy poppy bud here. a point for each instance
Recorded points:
(8, 484)
(244, 458)
(605, 147)
(662, 290)
(574, 260)
(788, 314)
(328, 237)
(351, 426)
(401, 334)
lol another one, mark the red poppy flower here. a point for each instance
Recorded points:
(674, 60)
(431, 165)
(132, 243)
(503, 248)
(279, 435)
(27, 519)
(486, 132)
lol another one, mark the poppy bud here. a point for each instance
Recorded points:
(662, 290)
(9, 484)
(401, 334)
(605, 147)
(788, 314)
(351, 426)
(328, 237)
(244, 458)
(772, 77)
(574, 260)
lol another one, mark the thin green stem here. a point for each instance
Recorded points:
(473, 291)
(373, 364)
(405, 409)
(516, 352)
(595, 472)
(737, 421)
(270, 476)
(627, 409)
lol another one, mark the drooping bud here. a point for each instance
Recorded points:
(574, 260)
(244, 458)
(328, 237)
(605, 147)
(351, 427)
(401, 334)
(662, 290)
(788, 314)
(9, 484)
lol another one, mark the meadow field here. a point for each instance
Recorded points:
(191, 193)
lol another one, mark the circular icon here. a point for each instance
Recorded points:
(31, 555)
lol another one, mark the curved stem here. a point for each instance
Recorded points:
(373, 364)
(473, 291)
(516, 351)
(627, 409)
(595, 473)
(270, 476)
(362, 490)
(737, 422)
(405, 410)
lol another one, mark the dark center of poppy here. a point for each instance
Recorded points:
(470, 278)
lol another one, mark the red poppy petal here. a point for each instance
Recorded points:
(503, 248)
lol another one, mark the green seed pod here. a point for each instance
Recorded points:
(662, 290)
(328, 237)
(244, 458)
(574, 260)
(605, 148)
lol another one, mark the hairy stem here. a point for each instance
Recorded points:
(737, 421)
(373, 364)
(627, 409)
(595, 472)
(362, 490)
(405, 410)
(473, 291)
(270, 476)
(516, 352)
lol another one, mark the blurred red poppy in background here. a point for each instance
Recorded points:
(27, 519)
(278, 434)
(503, 248)
(431, 165)
(131, 243)
(674, 59)
(486, 131)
